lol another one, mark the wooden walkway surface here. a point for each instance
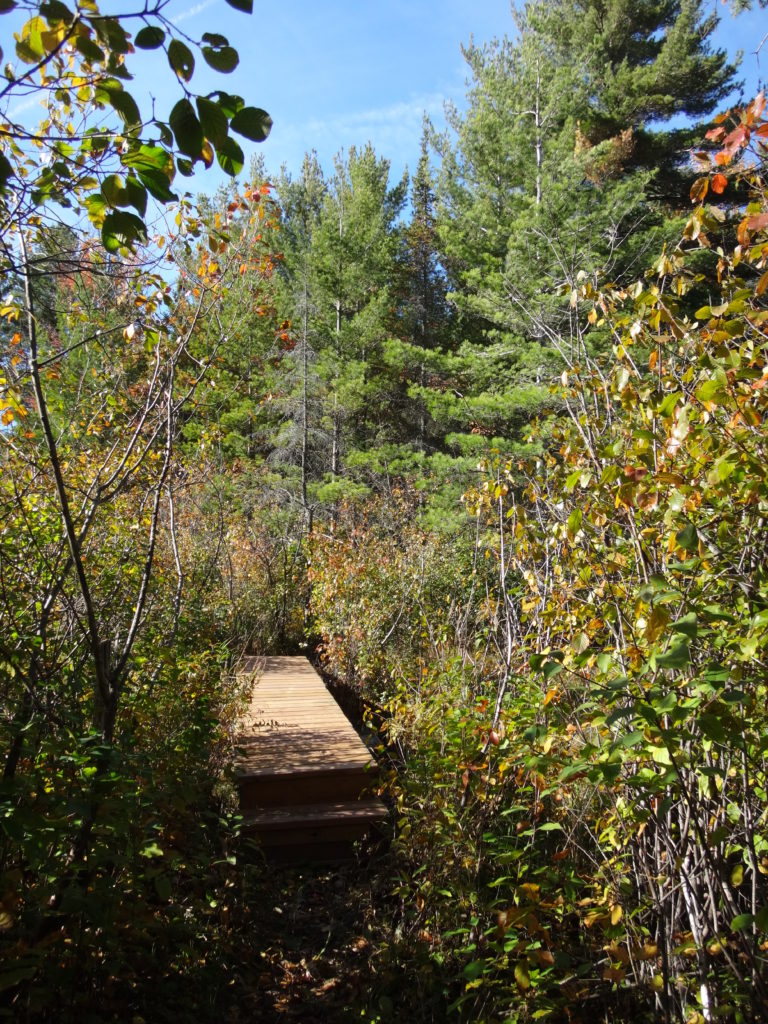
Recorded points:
(302, 769)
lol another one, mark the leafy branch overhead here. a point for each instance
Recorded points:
(96, 147)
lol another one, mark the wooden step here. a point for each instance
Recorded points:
(314, 825)
(302, 785)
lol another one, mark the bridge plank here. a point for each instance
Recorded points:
(293, 724)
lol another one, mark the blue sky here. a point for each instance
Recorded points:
(337, 73)
(343, 72)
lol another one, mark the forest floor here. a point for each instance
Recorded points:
(324, 946)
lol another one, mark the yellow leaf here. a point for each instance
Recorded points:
(521, 977)
(699, 189)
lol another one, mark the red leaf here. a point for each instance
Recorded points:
(757, 106)
(736, 138)
(758, 222)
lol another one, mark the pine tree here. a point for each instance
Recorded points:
(355, 244)
(549, 180)
(301, 440)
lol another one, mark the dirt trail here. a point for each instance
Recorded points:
(317, 953)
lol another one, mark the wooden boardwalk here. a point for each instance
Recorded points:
(301, 768)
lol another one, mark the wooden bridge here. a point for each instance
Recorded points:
(302, 769)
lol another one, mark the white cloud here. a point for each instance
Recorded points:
(394, 130)
(192, 11)
(27, 104)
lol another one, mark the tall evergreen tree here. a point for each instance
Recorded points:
(301, 442)
(549, 178)
(356, 244)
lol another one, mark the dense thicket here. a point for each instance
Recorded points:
(489, 442)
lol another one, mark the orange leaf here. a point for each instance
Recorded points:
(758, 222)
(762, 284)
(718, 183)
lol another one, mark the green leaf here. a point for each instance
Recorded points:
(181, 60)
(186, 128)
(229, 104)
(709, 390)
(136, 195)
(230, 157)
(676, 657)
(246, 6)
(150, 37)
(6, 170)
(474, 969)
(111, 189)
(97, 207)
(93, 53)
(126, 107)
(112, 34)
(121, 230)
(213, 119)
(574, 522)
(687, 538)
(6, 6)
(27, 52)
(224, 60)
(252, 122)
(688, 625)
(742, 922)
(630, 739)
(667, 407)
(54, 11)
(156, 183)
(147, 156)
(151, 850)
(712, 727)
